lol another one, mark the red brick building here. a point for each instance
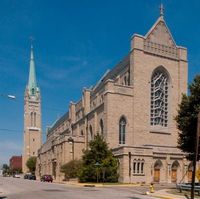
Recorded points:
(16, 162)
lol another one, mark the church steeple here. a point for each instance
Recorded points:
(32, 83)
(32, 116)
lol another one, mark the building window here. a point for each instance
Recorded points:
(82, 133)
(159, 97)
(134, 167)
(122, 130)
(34, 119)
(138, 166)
(90, 136)
(32, 91)
(31, 119)
(101, 127)
(142, 167)
(33, 139)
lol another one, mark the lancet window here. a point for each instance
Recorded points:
(159, 98)
(122, 130)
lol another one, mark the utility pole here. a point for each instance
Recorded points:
(129, 160)
(196, 153)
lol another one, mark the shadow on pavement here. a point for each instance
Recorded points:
(2, 197)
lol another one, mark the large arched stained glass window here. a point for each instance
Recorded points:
(159, 97)
(122, 130)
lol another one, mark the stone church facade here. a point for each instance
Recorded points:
(133, 107)
(32, 117)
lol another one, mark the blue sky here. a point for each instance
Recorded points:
(76, 41)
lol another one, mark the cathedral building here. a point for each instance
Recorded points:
(32, 117)
(133, 107)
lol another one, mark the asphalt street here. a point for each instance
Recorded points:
(17, 188)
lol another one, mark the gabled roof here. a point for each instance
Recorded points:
(160, 33)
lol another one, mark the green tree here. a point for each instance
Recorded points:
(6, 168)
(105, 170)
(71, 169)
(187, 118)
(31, 164)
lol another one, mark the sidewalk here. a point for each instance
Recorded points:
(162, 194)
(165, 195)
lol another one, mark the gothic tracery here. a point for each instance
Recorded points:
(159, 98)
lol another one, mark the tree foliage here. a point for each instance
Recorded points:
(187, 118)
(6, 168)
(98, 152)
(71, 169)
(31, 164)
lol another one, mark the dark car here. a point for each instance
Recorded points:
(30, 176)
(46, 178)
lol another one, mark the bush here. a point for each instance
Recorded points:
(71, 169)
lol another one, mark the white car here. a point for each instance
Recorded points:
(16, 176)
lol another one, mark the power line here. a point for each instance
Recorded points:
(10, 130)
(20, 100)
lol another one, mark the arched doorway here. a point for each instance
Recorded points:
(189, 172)
(157, 167)
(174, 170)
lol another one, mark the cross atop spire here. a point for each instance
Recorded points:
(161, 10)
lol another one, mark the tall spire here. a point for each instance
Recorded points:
(32, 84)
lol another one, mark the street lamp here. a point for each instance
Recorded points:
(97, 164)
(71, 141)
(8, 96)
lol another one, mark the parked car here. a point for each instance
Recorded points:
(46, 178)
(32, 177)
(29, 176)
(16, 176)
(6, 175)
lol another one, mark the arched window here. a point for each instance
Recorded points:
(122, 130)
(90, 136)
(159, 97)
(101, 126)
(34, 119)
(32, 91)
(138, 166)
(125, 80)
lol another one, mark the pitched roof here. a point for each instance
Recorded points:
(160, 33)
(112, 74)
(58, 122)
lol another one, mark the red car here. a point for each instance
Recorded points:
(46, 178)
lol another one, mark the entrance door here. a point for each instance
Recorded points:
(174, 176)
(156, 175)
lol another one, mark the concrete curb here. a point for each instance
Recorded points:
(102, 185)
(163, 197)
